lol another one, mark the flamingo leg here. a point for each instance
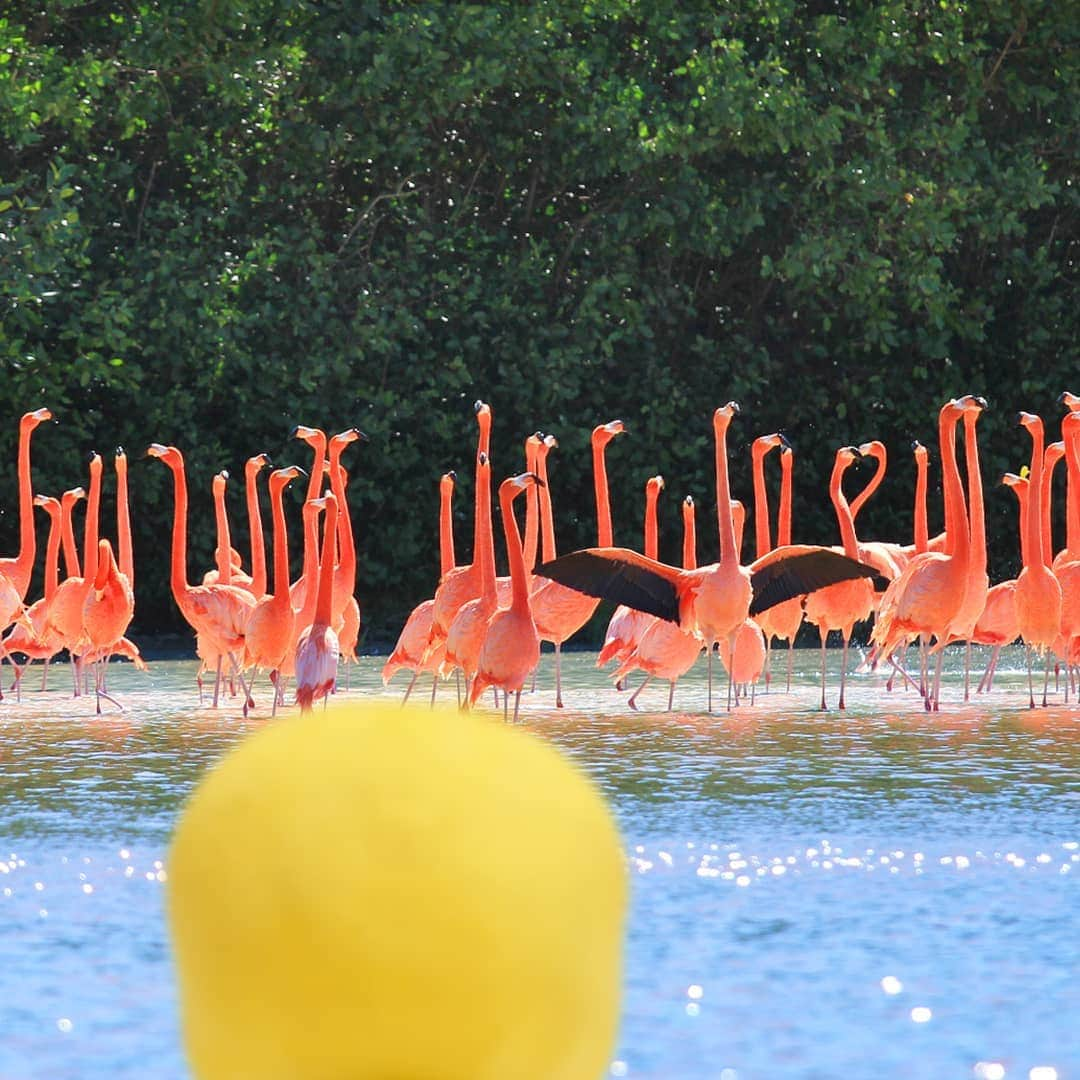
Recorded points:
(217, 683)
(248, 701)
(710, 650)
(898, 669)
(936, 702)
(671, 694)
(731, 652)
(517, 705)
(45, 674)
(558, 675)
(633, 696)
(506, 703)
(1031, 688)
(823, 706)
(790, 660)
(967, 669)
(434, 687)
(768, 663)
(457, 685)
(1046, 678)
(843, 671)
(412, 683)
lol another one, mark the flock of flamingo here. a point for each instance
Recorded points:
(932, 592)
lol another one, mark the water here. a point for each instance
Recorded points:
(876, 893)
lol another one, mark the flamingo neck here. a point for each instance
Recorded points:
(762, 537)
(317, 443)
(877, 451)
(783, 527)
(738, 523)
(547, 519)
(224, 539)
(90, 534)
(843, 510)
(67, 537)
(311, 560)
(532, 510)
(977, 515)
(1050, 461)
(689, 550)
(281, 540)
(1024, 507)
(652, 537)
(446, 527)
(345, 539)
(324, 599)
(1034, 525)
(486, 552)
(21, 567)
(52, 548)
(605, 536)
(123, 522)
(255, 526)
(729, 549)
(519, 578)
(956, 522)
(178, 569)
(1072, 495)
(105, 564)
(482, 508)
(922, 531)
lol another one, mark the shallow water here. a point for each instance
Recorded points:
(874, 893)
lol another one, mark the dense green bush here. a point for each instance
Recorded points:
(217, 221)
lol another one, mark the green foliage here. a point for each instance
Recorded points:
(217, 221)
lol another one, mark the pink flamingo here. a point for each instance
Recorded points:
(317, 650)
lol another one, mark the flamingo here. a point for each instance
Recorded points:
(469, 626)
(413, 640)
(714, 601)
(218, 613)
(1066, 564)
(928, 595)
(346, 610)
(841, 606)
(271, 624)
(503, 585)
(316, 439)
(462, 583)
(252, 467)
(626, 625)
(511, 647)
(560, 611)
(228, 569)
(666, 651)
(783, 620)
(1038, 593)
(317, 650)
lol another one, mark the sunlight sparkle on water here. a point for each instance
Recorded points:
(891, 984)
(989, 1070)
(921, 1014)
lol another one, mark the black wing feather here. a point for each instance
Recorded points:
(615, 580)
(803, 573)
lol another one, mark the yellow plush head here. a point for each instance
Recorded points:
(375, 892)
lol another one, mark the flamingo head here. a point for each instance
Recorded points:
(972, 404)
(764, 443)
(1030, 421)
(31, 420)
(1070, 401)
(349, 435)
(279, 478)
(72, 496)
(848, 454)
(654, 485)
(257, 462)
(689, 501)
(920, 451)
(1070, 425)
(220, 480)
(604, 433)
(50, 505)
(314, 437)
(1053, 454)
(169, 454)
(875, 449)
(722, 416)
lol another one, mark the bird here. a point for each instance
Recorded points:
(511, 647)
(317, 649)
(1038, 593)
(626, 625)
(218, 613)
(783, 620)
(928, 595)
(841, 606)
(713, 601)
(270, 634)
(316, 439)
(17, 569)
(412, 642)
(561, 612)
(665, 651)
(252, 467)
(345, 609)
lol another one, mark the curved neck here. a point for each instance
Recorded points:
(67, 538)
(843, 511)
(1034, 526)
(783, 527)
(258, 544)
(877, 452)
(652, 538)
(446, 526)
(52, 547)
(123, 521)
(922, 531)
(519, 578)
(738, 523)
(689, 543)
(956, 522)
(224, 540)
(605, 536)
(324, 599)
(977, 515)
(281, 537)
(532, 507)
(729, 549)
(762, 531)
(90, 534)
(547, 519)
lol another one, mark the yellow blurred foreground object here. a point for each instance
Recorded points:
(378, 892)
